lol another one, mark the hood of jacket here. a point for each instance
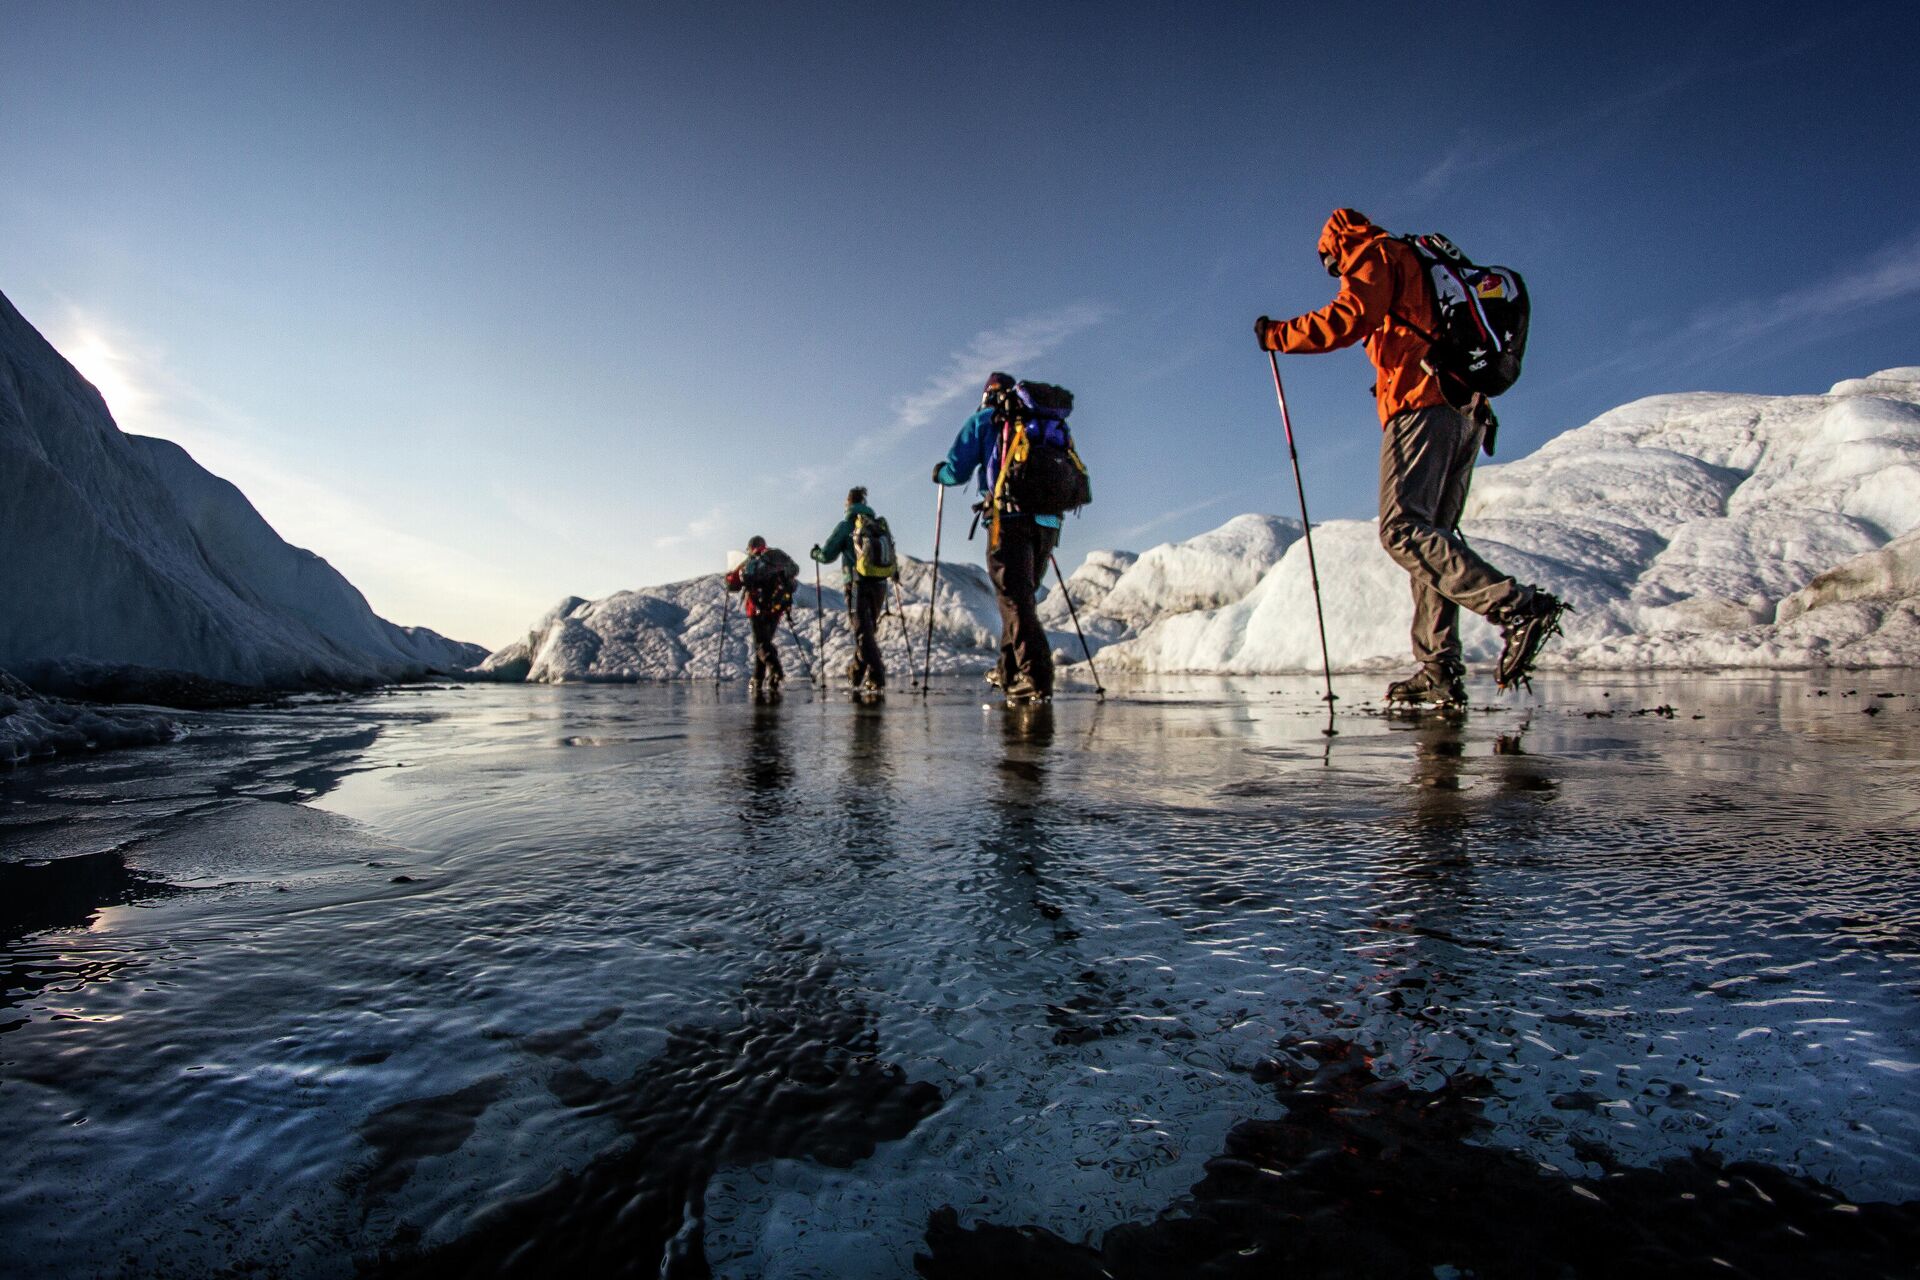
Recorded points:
(1347, 232)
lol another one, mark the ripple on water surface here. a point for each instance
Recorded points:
(490, 978)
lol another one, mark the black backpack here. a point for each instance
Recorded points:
(1478, 332)
(770, 579)
(1038, 472)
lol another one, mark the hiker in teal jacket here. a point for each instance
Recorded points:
(866, 596)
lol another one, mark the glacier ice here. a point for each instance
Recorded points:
(1679, 526)
(1692, 530)
(123, 554)
(32, 726)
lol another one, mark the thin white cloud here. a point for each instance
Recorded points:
(1792, 317)
(1178, 513)
(1468, 157)
(1008, 348)
(1016, 343)
(699, 529)
(1887, 275)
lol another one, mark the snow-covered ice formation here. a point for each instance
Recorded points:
(1216, 568)
(122, 553)
(674, 631)
(32, 726)
(1688, 530)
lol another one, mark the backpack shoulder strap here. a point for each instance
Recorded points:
(1420, 258)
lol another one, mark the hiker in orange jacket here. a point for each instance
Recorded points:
(1427, 452)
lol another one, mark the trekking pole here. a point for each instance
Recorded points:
(819, 622)
(933, 594)
(800, 647)
(726, 603)
(1306, 530)
(906, 637)
(1098, 688)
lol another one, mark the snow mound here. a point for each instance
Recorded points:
(32, 726)
(1118, 594)
(122, 551)
(1087, 590)
(1892, 572)
(674, 632)
(1687, 530)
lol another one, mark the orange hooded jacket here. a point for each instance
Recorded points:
(1380, 277)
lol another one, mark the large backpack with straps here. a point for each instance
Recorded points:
(769, 579)
(873, 551)
(1037, 470)
(1477, 334)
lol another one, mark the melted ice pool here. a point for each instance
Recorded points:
(648, 978)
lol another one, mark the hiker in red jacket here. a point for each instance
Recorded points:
(766, 579)
(1426, 459)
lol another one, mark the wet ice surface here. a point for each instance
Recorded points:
(601, 974)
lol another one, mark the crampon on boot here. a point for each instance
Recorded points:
(1435, 684)
(1024, 693)
(1524, 631)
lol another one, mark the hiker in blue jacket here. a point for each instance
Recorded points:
(1019, 547)
(866, 594)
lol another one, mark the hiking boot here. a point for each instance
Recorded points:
(1024, 692)
(1524, 631)
(1435, 684)
(995, 679)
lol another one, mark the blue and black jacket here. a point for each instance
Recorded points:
(973, 450)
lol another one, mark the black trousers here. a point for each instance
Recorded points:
(1017, 563)
(766, 655)
(866, 597)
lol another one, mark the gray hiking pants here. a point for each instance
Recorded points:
(1426, 464)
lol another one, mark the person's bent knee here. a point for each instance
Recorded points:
(1398, 535)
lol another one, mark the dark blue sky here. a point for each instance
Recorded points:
(493, 303)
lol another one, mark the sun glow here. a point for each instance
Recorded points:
(112, 372)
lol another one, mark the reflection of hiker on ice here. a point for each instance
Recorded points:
(766, 578)
(1030, 476)
(1436, 366)
(863, 544)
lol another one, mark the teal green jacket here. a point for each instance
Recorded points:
(840, 541)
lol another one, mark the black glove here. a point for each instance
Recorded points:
(938, 467)
(815, 553)
(1261, 329)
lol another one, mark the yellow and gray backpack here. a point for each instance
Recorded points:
(873, 553)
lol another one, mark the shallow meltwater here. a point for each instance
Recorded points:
(1619, 978)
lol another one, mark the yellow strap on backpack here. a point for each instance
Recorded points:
(1015, 450)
